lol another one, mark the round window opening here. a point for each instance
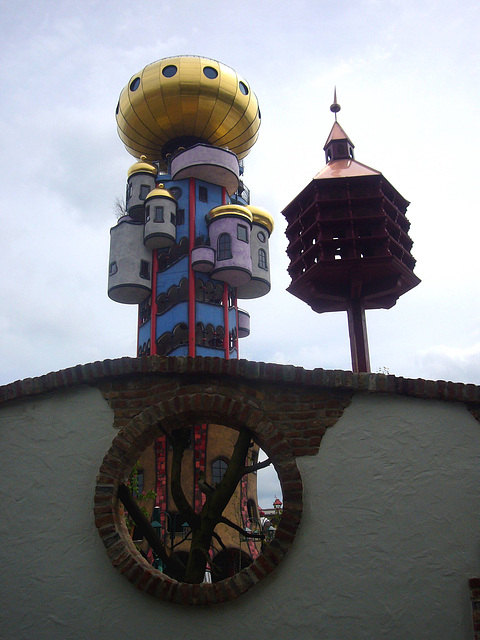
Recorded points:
(176, 192)
(134, 84)
(180, 505)
(169, 71)
(210, 72)
(243, 88)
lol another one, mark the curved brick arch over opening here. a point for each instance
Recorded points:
(126, 448)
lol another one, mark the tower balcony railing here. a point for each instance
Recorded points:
(241, 195)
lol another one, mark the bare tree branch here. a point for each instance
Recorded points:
(173, 564)
(219, 540)
(255, 467)
(231, 524)
(119, 207)
(180, 439)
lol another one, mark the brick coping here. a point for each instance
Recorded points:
(340, 380)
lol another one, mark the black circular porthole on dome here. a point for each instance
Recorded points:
(135, 84)
(118, 108)
(169, 71)
(243, 88)
(210, 72)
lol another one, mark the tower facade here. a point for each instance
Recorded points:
(190, 244)
(186, 248)
(349, 246)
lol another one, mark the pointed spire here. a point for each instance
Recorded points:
(335, 107)
(338, 145)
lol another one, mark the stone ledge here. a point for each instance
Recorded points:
(97, 372)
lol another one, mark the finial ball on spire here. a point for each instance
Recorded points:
(335, 107)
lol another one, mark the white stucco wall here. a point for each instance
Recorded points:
(389, 537)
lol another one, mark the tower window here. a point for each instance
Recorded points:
(144, 269)
(261, 236)
(242, 233)
(180, 217)
(112, 269)
(210, 72)
(203, 194)
(243, 88)
(158, 214)
(172, 218)
(144, 191)
(129, 191)
(176, 192)
(147, 214)
(219, 468)
(224, 251)
(135, 84)
(169, 71)
(262, 259)
(252, 509)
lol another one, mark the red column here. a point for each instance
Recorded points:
(191, 274)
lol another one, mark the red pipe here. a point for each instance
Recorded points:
(191, 274)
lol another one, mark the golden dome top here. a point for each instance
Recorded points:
(229, 210)
(142, 167)
(183, 100)
(160, 192)
(260, 216)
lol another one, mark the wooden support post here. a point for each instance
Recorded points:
(357, 328)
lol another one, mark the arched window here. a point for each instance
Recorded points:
(224, 251)
(219, 466)
(252, 509)
(262, 259)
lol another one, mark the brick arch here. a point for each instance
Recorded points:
(126, 448)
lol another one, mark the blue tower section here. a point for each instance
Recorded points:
(190, 245)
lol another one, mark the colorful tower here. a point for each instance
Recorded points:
(349, 246)
(190, 244)
(187, 248)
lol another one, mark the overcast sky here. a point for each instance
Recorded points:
(407, 77)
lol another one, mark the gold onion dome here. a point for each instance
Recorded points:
(183, 100)
(260, 216)
(160, 192)
(230, 210)
(142, 166)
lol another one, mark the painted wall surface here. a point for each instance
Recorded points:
(387, 542)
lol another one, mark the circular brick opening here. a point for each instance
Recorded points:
(126, 448)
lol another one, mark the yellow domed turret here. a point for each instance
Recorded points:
(186, 99)
(161, 192)
(236, 210)
(142, 166)
(260, 216)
